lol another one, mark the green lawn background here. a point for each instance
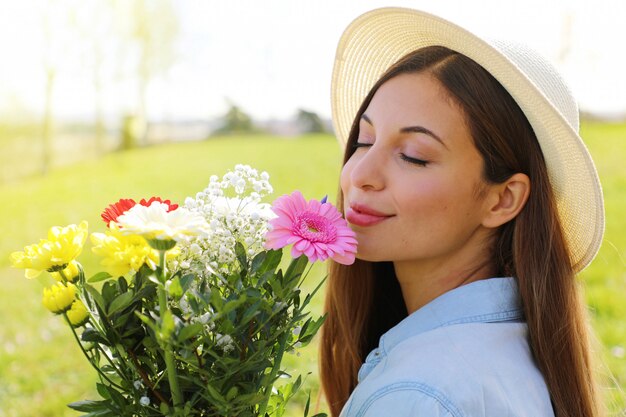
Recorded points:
(41, 370)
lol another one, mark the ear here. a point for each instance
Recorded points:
(504, 201)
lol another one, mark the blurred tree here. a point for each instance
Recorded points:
(309, 122)
(61, 40)
(151, 27)
(48, 121)
(132, 128)
(53, 24)
(94, 23)
(236, 121)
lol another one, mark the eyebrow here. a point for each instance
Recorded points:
(411, 129)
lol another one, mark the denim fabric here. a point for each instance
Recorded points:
(465, 354)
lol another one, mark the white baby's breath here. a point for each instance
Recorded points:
(232, 208)
(225, 342)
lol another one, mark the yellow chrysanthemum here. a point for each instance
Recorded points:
(59, 297)
(122, 253)
(70, 273)
(62, 246)
(77, 314)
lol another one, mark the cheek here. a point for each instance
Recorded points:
(429, 194)
(436, 202)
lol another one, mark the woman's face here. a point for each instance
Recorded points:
(412, 187)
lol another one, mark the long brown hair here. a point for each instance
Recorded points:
(364, 300)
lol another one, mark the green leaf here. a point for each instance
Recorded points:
(232, 393)
(296, 268)
(148, 292)
(120, 302)
(186, 281)
(175, 289)
(147, 321)
(92, 335)
(306, 406)
(122, 284)
(264, 278)
(272, 260)
(217, 300)
(296, 299)
(100, 276)
(275, 284)
(108, 369)
(257, 262)
(101, 413)
(115, 396)
(109, 291)
(89, 405)
(233, 304)
(96, 296)
(190, 331)
(307, 334)
(297, 383)
(250, 312)
(308, 298)
(240, 251)
(305, 327)
(104, 393)
(215, 394)
(167, 324)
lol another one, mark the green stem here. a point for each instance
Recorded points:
(274, 371)
(306, 274)
(177, 397)
(113, 365)
(87, 355)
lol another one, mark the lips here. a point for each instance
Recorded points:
(361, 215)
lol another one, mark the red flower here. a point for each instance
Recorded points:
(111, 213)
(171, 207)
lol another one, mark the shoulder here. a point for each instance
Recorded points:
(476, 349)
(474, 369)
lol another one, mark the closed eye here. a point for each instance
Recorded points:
(414, 161)
(357, 145)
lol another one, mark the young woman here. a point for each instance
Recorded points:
(475, 203)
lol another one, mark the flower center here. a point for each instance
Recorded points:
(315, 228)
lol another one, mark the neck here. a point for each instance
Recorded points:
(422, 283)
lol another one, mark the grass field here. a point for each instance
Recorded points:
(40, 368)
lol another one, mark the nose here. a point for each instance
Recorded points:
(367, 169)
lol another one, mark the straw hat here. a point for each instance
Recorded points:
(377, 39)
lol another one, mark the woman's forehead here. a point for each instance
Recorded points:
(415, 99)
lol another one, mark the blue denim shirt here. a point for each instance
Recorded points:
(464, 354)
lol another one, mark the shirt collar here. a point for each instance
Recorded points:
(484, 301)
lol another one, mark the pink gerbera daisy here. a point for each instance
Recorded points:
(316, 229)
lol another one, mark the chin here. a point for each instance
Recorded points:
(370, 257)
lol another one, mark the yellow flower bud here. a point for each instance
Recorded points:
(70, 273)
(59, 297)
(77, 314)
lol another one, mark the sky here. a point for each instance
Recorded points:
(272, 57)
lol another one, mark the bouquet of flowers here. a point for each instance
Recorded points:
(193, 312)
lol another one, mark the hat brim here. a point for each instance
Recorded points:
(379, 38)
